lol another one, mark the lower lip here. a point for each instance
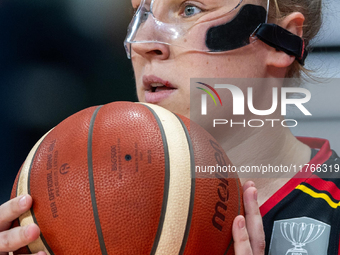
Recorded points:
(156, 97)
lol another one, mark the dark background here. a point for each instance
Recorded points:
(56, 58)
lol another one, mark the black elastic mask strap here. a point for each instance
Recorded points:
(281, 39)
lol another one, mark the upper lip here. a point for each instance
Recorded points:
(148, 80)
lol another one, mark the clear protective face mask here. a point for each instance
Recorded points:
(217, 26)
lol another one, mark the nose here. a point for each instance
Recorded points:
(150, 51)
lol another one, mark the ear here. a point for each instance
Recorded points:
(294, 24)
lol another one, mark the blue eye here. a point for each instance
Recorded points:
(191, 10)
(144, 14)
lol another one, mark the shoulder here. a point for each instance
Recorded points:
(330, 170)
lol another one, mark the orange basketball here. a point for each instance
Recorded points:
(120, 179)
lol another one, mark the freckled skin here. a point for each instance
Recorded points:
(257, 60)
(247, 62)
(165, 62)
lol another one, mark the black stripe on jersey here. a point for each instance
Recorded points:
(320, 191)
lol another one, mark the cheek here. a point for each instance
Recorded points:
(138, 70)
(246, 62)
(137, 65)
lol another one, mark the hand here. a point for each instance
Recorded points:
(248, 233)
(13, 239)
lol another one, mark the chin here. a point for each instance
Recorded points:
(170, 105)
(185, 113)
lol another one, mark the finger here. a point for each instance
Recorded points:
(254, 221)
(13, 239)
(39, 253)
(241, 238)
(247, 185)
(12, 209)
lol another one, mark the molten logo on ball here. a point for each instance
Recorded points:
(222, 190)
(64, 169)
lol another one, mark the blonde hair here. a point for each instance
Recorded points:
(311, 9)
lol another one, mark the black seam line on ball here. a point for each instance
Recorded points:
(193, 184)
(16, 191)
(91, 180)
(239, 196)
(229, 245)
(238, 212)
(166, 182)
(29, 192)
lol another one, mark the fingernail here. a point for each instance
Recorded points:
(241, 223)
(23, 201)
(255, 195)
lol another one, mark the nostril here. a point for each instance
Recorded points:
(158, 52)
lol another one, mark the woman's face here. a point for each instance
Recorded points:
(163, 72)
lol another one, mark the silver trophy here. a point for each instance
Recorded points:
(299, 235)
